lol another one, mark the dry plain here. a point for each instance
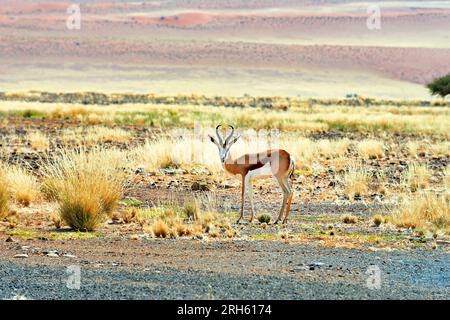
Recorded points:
(106, 165)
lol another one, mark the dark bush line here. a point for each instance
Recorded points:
(281, 103)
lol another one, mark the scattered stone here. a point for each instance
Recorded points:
(140, 170)
(172, 172)
(300, 268)
(200, 172)
(134, 237)
(21, 255)
(51, 253)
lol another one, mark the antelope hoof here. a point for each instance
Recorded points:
(284, 221)
(276, 221)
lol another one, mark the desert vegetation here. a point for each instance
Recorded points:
(146, 167)
(440, 86)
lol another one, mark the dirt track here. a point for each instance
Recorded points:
(189, 269)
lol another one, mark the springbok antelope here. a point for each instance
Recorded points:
(277, 163)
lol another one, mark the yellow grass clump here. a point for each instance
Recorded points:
(160, 229)
(425, 211)
(333, 148)
(38, 141)
(417, 177)
(86, 185)
(415, 149)
(447, 177)
(184, 151)
(370, 149)
(190, 219)
(23, 186)
(440, 149)
(378, 219)
(104, 134)
(356, 180)
(4, 195)
(349, 218)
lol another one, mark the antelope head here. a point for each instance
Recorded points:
(224, 147)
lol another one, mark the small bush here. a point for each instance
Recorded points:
(378, 219)
(349, 218)
(264, 218)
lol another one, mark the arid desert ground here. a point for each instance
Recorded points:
(106, 166)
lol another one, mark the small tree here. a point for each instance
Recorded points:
(440, 86)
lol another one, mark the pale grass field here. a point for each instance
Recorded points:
(418, 120)
(87, 185)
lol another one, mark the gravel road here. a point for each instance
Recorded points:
(242, 270)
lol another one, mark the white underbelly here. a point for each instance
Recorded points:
(262, 172)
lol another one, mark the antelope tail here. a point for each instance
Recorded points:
(292, 167)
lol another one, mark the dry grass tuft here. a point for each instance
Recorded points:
(333, 148)
(447, 177)
(370, 149)
(441, 149)
(23, 186)
(349, 218)
(356, 180)
(192, 210)
(417, 177)
(160, 229)
(57, 221)
(378, 219)
(38, 141)
(424, 211)
(189, 219)
(264, 218)
(129, 215)
(283, 235)
(4, 195)
(415, 149)
(101, 134)
(86, 185)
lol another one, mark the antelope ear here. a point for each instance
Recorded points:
(212, 139)
(235, 139)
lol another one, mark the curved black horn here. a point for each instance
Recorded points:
(218, 135)
(231, 134)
